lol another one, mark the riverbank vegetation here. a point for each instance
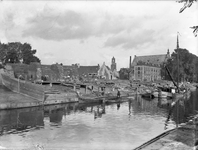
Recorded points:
(183, 66)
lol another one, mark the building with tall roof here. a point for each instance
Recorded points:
(88, 71)
(148, 68)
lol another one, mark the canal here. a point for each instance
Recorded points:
(85, 126)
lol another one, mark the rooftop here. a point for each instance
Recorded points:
(150, 60)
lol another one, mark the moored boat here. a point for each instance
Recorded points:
(163, 92)
(89, 98)
(148, 95)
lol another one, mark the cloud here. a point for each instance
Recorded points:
(69, 24)
(58, 26)
(132, 39)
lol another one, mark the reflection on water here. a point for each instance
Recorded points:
(86, 126)
(19, 120)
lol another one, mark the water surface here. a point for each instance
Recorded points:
(87, 126)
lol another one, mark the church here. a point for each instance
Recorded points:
(108, 73)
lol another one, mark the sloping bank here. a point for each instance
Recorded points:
(27, 94)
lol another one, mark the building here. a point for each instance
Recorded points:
(106, 73)
(88, 71)
(147, 68)
(113, 64)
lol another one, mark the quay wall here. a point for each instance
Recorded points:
(28, 103)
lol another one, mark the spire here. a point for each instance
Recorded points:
(177, 41)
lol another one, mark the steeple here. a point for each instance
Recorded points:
(177, 41)
(113, 64)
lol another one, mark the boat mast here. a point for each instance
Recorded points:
(177, 62)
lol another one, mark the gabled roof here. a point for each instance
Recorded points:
(150, 60)
(108, 68)
(88, 69)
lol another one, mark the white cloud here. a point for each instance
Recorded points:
(94, 31)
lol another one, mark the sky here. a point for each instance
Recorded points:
(92, 32)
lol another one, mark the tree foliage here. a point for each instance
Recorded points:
(16, 52)
(182, 65)
(188, 3)
(124, 73)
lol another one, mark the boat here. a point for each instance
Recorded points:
(148, 96)
(89, 98)
(110, 97)
(117, 100)
(163, 92)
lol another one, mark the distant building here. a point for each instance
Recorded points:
(148, 68)
(106, 73)
(19, 69)
(88, 71)
(113, 64)
(32, 71)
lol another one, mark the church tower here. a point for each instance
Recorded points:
(113, 64)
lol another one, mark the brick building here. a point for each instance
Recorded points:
(147, 68)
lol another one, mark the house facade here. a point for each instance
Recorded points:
(88, 71)
(148, 68)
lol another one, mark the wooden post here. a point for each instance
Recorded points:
(18, 86)
(137, 91)
(74, 87)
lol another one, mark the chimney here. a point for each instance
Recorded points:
(130, 62)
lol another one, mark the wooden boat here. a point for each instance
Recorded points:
(163, 92)
(105, 98)
(148, 95)
(89, 98)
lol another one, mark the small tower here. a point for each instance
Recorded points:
(113, 64)
(168, 54)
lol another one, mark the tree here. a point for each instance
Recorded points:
(16, 52)
(185, 68)
(188, 3)
(3, 51)
(124, 73)
(28, 54)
